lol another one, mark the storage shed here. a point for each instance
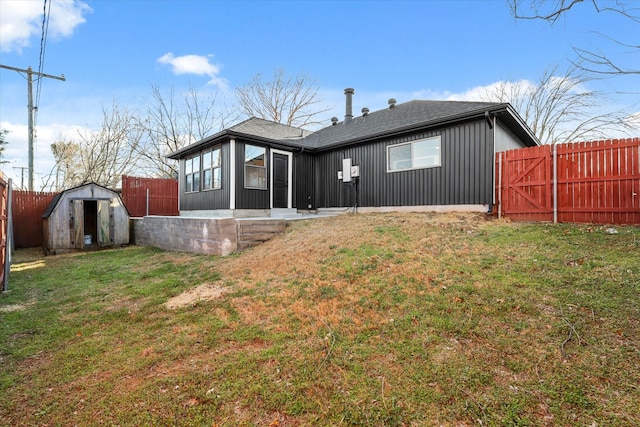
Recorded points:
(85, 217)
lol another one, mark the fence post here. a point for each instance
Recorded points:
(147, 202)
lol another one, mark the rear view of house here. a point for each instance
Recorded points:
(419, 154)
(84, 217)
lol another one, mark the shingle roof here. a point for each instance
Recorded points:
(393, 120)
(56, 199)
(254, 127)
(267, 129)
(408, 116)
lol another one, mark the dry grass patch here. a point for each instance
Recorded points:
(201, 293)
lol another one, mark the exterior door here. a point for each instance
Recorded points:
(280, 180)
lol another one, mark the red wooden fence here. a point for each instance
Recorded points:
(595, 182)
(28, 208)
(5, 231)
(160, 194)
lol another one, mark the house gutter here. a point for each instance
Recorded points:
(279, 143)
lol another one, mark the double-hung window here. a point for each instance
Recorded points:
(420, 154)
(255, 167)
(192, 174)
(211, 169)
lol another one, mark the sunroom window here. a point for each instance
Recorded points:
(423, 153)
(211, 169)
(192, 174)
(255, 167)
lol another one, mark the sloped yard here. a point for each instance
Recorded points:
(369, 319)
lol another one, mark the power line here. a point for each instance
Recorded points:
(43, 46)
(30, 73)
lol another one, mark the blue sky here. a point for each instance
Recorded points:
(116, 50)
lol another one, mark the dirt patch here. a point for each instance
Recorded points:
(10, 308)
(204, 292)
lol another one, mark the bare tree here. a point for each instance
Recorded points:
(560, 108)
(169, 125)
(65, 170)
(101, 156)
(588, 59)
(111, 152)
(293, 101)
(3, 145)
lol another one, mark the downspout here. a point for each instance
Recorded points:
(491, 121)
(180, 182)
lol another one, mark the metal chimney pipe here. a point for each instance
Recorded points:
(348, 92)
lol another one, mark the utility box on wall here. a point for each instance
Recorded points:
(346, 170)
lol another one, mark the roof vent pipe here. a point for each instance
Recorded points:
(392, 102)
(365, 112)
(334, 121)
(348, 116)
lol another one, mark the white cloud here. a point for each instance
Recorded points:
(482, 93)
(195, 64)
(21, 20)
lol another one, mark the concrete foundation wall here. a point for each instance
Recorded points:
(211, 236)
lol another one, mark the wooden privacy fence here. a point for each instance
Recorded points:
(28, 208)
(5, 231)
(150, 196)
(587, 182)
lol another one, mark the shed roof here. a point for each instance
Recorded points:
(56, 199)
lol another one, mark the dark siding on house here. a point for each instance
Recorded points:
(304, 176)
(249, 198)
(209, 199)
(465, 176)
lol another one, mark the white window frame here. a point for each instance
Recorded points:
(214, 168)
(263, 167)
(195, 169)
(414, 149)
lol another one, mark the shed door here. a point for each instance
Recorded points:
(77, 212)
(103, 223)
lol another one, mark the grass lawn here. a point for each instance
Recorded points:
(368, 319)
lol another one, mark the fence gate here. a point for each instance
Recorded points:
(587, 182)
(599, 182)
(525, 190)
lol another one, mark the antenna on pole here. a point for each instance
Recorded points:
(30, 73)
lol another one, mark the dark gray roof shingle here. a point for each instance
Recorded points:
(392, 120)
(408, 116)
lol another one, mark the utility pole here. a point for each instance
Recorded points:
(22, 168)
(30, 73)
